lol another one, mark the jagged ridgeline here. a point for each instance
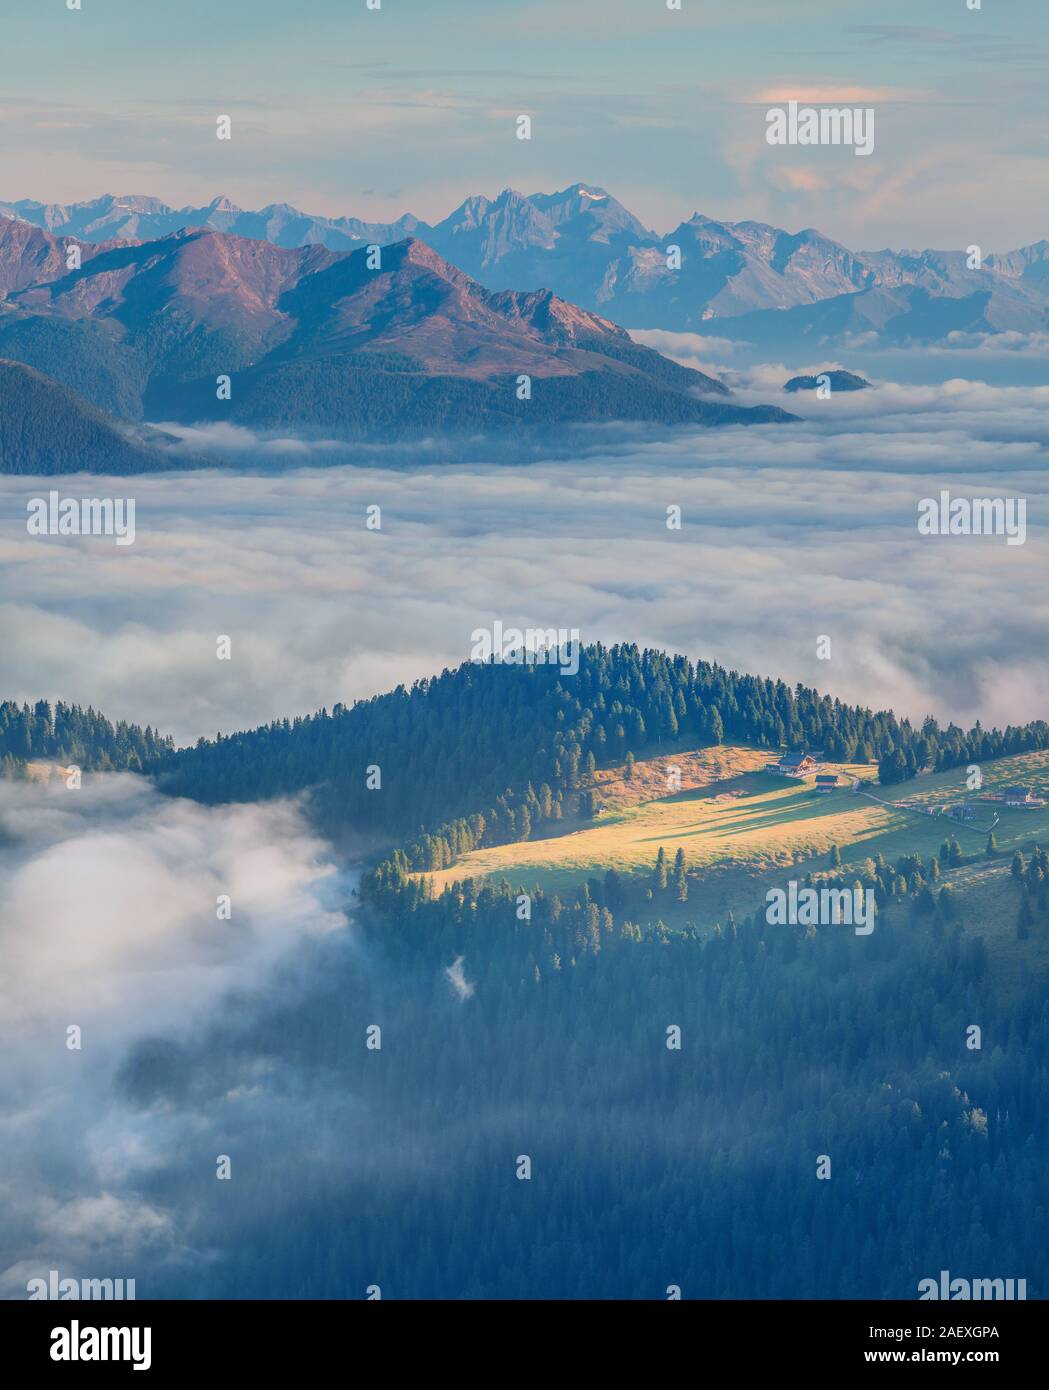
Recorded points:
(69, 734)
(486, 753)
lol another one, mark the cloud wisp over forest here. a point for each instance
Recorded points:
(110, 929)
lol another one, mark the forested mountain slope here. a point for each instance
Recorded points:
(45, 428)
(490, 746)
(651, 1167)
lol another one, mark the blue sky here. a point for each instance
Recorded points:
(339, 109)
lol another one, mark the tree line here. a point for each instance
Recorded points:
(71, 734)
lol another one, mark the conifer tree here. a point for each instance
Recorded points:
(660, 875)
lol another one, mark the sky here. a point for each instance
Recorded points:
(339, 109)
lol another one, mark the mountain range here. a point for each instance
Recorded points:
(745, 280)
(318, 340)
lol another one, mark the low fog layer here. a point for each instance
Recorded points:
(788, 533)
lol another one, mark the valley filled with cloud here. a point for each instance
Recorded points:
(787, 533)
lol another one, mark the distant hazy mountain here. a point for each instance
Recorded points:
(145, 219)
(316, 339)
(890, 316)
(590, 250)
(838, 381)
(45, 428)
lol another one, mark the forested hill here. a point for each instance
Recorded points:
(46, 428)
(69, 734)
(481, 754)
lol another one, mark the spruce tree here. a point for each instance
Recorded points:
(660, 876)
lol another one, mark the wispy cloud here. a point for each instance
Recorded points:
(456, 977)
(110, 926)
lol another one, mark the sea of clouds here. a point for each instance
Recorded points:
(788, 533)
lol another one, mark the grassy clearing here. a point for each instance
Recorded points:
(741, 829)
